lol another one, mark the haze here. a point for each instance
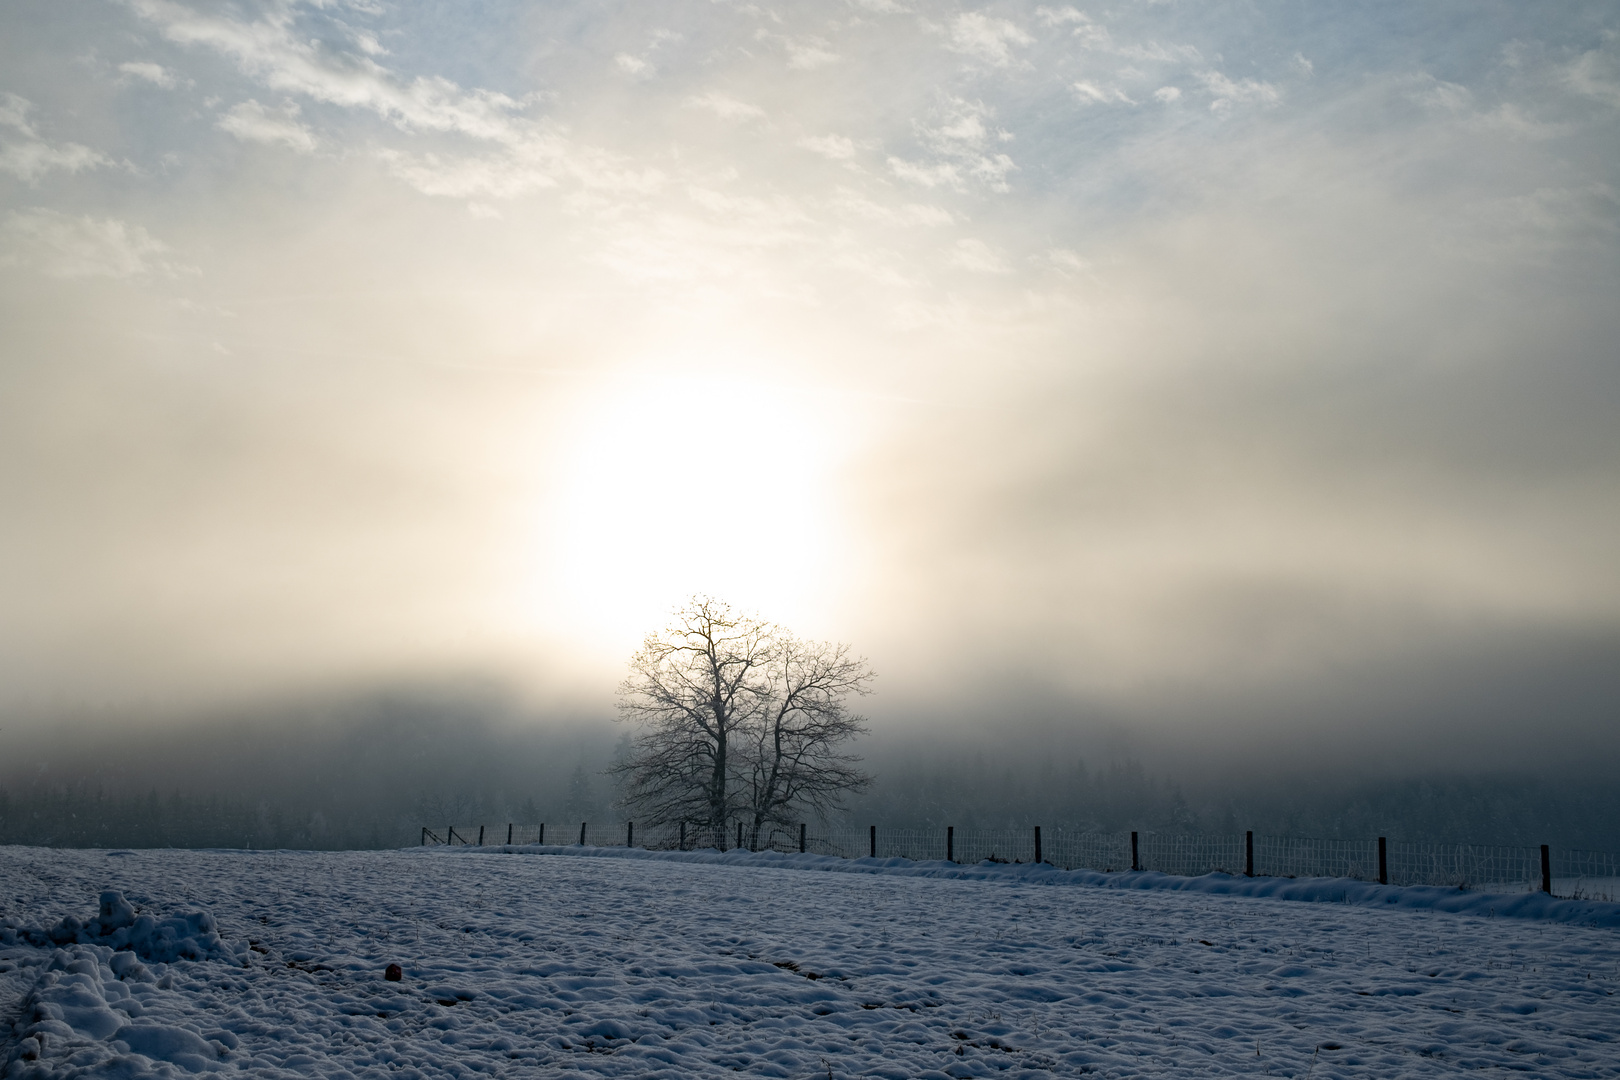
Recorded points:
(1227, 386)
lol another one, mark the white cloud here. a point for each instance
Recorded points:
(1304, 66)
(724, 107)
(1227, 93)
(960, 145)
(1167, 94)
(1067, 262)
(1596, 74)
(252, 122)
(808, 56)
(632, 65)
(906, 214)
(31, 156)
(882, 7)
(61, 246)
(1090, 92)
(836, 147)
(977, 256)
(156, 74)
(530, 153)
(987, 39)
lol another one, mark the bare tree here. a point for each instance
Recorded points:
(737, 720)
(797, 761)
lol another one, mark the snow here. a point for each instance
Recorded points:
(613, 962)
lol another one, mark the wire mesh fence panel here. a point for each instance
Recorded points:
(1307, 856)
(1467, 866)
(1586, 875)
(995, 845)
(1087, 850)
(1190, 855)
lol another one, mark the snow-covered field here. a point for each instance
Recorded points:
(581, 962)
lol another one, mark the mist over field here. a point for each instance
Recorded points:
(1200, 416)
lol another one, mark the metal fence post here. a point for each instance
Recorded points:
(1383, 861)
(582, 834)
(683, 836)
(950, 843)
(1546, 870)
(1038, 844)
(801, 838)
(509, 834)
(1248, 853)
(629, 834)
(480, 836)
(874, 841)
(739, 834)
(1136, 863)
(542, 838)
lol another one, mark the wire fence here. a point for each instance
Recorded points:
(1593, 875)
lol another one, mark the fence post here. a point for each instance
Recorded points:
(542, 838)
(1546, 870)
(874, 841)
(739, 834)
(629, 834)
(1136, 863)
(424, 836)
(683, 836)
(582, 834)
(801, 838)
(480, 836)
(1248, 853)
(1383, 861)
(449, 835)
(1038, 844)
(950, 843)
(508, 834)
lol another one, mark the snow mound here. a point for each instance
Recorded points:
(86, 1012)
(191, 935)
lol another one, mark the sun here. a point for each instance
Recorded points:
(668, 487)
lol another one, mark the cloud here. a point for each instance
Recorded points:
(632, 65)
(1091, 93)
(906, 214)
(726, 108)
(252, 122)
(978, 257)
(1596, 74)
(807, 56)
(1167, 94)
(155, 74)
(60, 246)
(836, 147)
(1227, 93)
(31, 156)
(533, 154)
(985, 38)
(960, 144)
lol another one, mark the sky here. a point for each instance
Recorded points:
(1225, 375)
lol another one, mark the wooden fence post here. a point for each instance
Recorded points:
(508, 834)
(683, 836)
(801, 838)
(1038, 844)
(424, 836)
(739, 834)
(1248, 853)
(1383, 861)
(950, 843)
(542, 833)
(480, 836)
(874, 841)
(629, 834)
(1546, 870)
(582, 834)
(1136, 863)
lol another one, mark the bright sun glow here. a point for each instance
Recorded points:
(676, 486)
